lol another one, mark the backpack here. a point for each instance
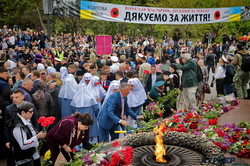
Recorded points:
(199, 74)
(245, 65)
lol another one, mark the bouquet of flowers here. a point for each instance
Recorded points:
(153, 111)
(111, 154)
(45, 122)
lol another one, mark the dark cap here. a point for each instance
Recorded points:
(79, 73)
(166, 72)
(173, 66)
(159, 83)
(240, 46)
(37, 60)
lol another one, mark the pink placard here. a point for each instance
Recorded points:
(103, 45)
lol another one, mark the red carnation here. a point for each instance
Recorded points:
(197, 117)
(212, 121)
(172, 129)
(176, 119)
(220, 133)
(127, 155)
(193, 125)
(218, 144)
(248, 131)
(41, 119)
(51, 120)
(164, 129)
(180, 125)
(161, 114)
(115, 159)
(224, 148)
(146, 72)
(44, 123)
(115, 144)
(190, 115)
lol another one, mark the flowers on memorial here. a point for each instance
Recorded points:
(203, 122)
(153, 111)
(47, 159)
(112, 154)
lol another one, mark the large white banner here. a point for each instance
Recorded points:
(151, 15)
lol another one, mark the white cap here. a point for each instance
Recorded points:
(114, 59)
(116, 86)
(58, 60)
(140, 55)
(131, 82)
(184, 49)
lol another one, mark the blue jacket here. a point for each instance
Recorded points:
(151, 60)
(111, 111)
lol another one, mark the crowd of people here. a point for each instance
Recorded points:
(95, 95)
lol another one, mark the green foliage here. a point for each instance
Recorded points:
(212, 114)
(170, 98)
(244, 125)
(148, 126)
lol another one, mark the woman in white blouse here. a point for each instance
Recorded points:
(220, 75)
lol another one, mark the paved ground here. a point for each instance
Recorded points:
(239, 114)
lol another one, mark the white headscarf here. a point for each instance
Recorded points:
(12, 64)
(69, 87)
(40, 66)
(113, 85)
(95, 90)
(50, 69)
(86, 76)
(64, 72)
(137, 96)
(83, 98)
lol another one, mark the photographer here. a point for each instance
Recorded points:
(189, 79)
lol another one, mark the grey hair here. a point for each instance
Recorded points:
(186, 56)
(123, 85)
(58, 75)
(26, 80)
(122, 65)
(24, 106)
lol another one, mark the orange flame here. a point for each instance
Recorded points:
(160, 150)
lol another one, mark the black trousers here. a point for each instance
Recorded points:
(220, 86)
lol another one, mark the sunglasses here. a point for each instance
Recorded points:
(31, 111)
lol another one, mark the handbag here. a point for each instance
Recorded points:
(206, 88)
(64, 157)
(60, 160)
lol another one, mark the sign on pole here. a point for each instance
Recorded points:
(48, 6)
(103, 45)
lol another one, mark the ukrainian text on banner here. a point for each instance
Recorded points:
(150, 15)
